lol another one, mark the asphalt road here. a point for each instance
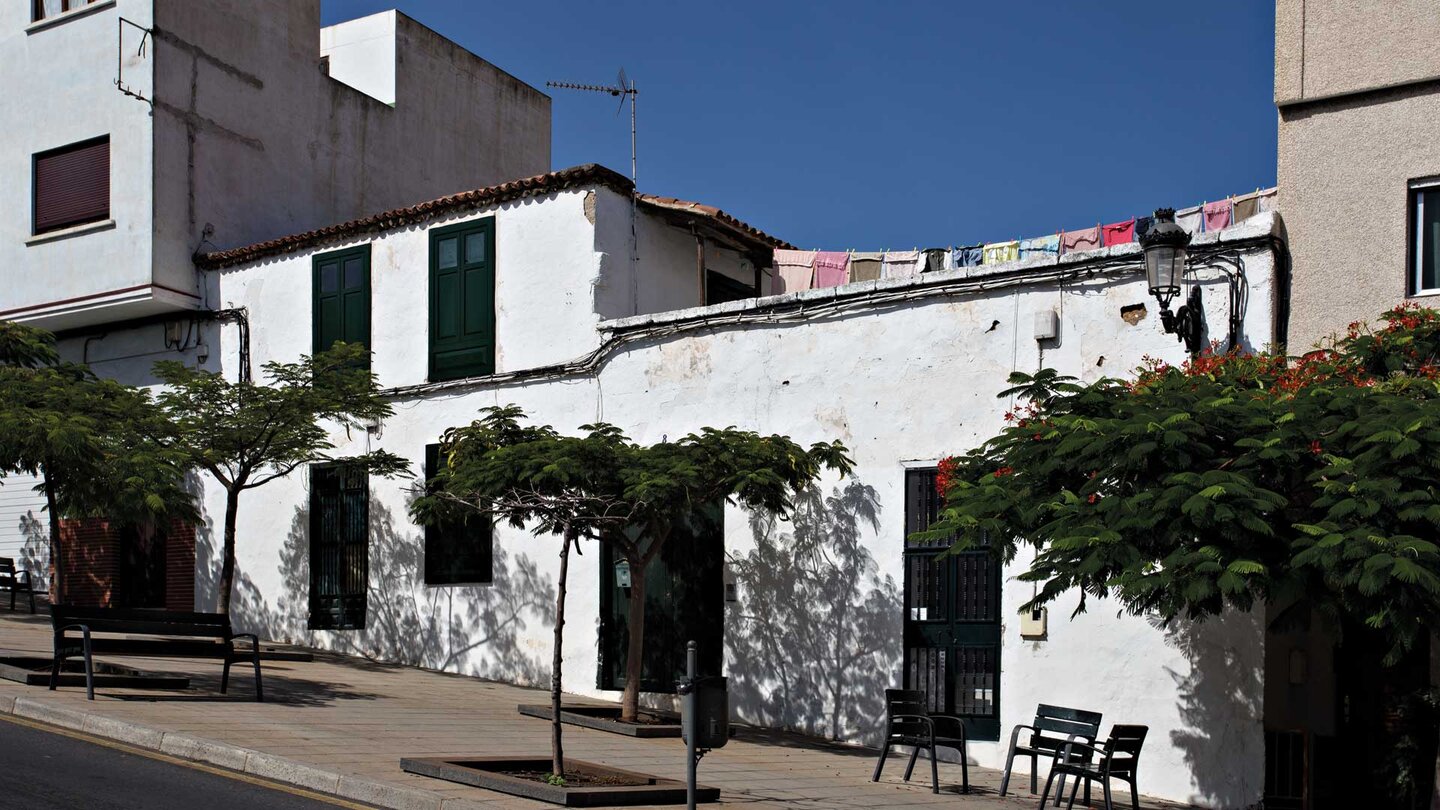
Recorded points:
(44, 770)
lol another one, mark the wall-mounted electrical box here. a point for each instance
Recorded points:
(1034, 623)
(1047, 324)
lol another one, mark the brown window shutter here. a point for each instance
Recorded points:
(72, 185)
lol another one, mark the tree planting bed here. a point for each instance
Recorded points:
(588, 784)
(652, 723)
(35, 671)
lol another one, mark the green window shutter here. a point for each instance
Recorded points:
(342, 297)
(458, 551)
(462, 300)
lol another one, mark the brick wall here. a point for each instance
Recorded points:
(91, 548)
(90, 553)
(180, 566)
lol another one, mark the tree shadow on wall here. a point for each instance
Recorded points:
(35, 550)
(811, 641)
(1221, 704)
(409, 623)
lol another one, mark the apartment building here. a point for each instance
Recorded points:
(1357, 85)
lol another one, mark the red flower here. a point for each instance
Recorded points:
(1315, 447)
(945, 473)
(1093, 498)
(1004, 471)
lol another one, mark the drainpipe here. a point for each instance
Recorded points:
(699, 262)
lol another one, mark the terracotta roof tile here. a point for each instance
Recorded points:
(590, 174)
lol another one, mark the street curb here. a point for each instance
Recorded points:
(235, 758)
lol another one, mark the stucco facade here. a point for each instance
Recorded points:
(903, 371)
(1358, 90)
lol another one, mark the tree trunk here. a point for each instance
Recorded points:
(227, 565)
(557, 747)
(635, 648)
(57, 559)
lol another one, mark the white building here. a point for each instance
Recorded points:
(568, 295)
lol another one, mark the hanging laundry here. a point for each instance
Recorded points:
(1041, 246)
(865, 266)
(968, 256)
(1217, 215)
(794, 270)
(1246, 207)
(832, 268)
(900, 263)
(999, 252)
(1191, 220)
(1119, 233)
(1143, 226)
(934, 260)
(1076, 241)
(1267, 200)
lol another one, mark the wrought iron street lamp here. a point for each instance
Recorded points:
(1165, 245)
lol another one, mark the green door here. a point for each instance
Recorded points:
(339, 546)
(684, 600)
(952, 619)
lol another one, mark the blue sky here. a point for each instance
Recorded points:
(871, 125)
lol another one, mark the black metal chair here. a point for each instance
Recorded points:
(14, 580)
(1118, 759)
(909, 722)
(1053, 727)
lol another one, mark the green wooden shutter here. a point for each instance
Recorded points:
(462, 300)
(342, 297)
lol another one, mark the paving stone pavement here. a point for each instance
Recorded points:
(341, 724)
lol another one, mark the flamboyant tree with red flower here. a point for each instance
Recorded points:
(1230, 481)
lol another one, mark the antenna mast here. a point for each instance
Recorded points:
(624, 88)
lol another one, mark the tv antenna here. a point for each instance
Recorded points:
(623, 88)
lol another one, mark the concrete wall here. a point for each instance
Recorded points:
(361, 54)
(257, 141)
(247, 136)
(900, 383)
(1333, 47)
(62, 92)
(1347, 149)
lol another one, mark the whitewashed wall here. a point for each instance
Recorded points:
(901, 385)
(24, 527)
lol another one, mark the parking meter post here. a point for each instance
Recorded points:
(691, 722)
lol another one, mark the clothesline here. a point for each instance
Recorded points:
(810, 269)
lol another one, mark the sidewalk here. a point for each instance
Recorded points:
(340, 725)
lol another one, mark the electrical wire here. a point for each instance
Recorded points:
(840, 306)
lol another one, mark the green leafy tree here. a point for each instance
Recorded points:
(1228, 482)
(604, 487)
(246, 434)
(92, 442)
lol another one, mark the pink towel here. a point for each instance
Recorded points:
(1076, 241)
(832, 268)
(900, 264)
(1119, 233)
(1217, 215)
(794, 270)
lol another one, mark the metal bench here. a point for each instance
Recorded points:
(1118, 759)
(909, 722)
(172, 634)
(1054, 726)
(15, 580)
